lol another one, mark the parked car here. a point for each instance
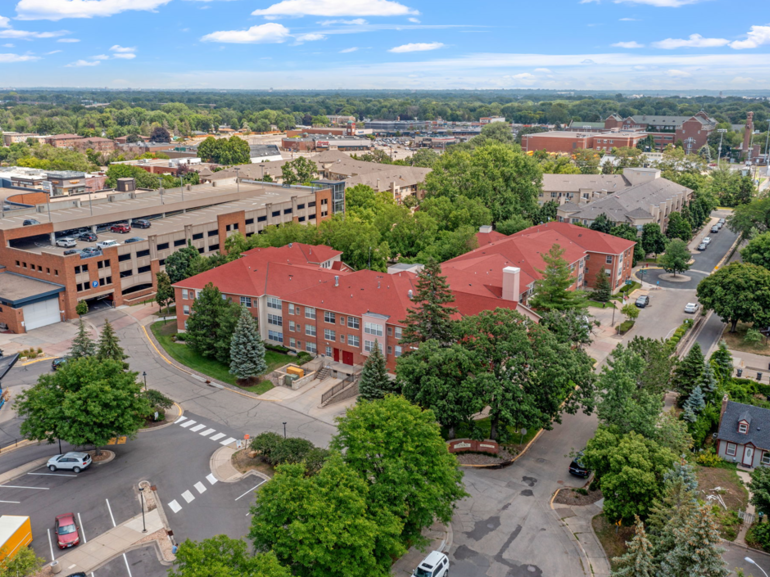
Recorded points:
(66, 530)
(66, 242)
(691, 308)
(72, 461)
(706, 240)
(57, 363)
(715, 228)
(722, 221)
(30, 222)
(107, 243)
(642, 301)
(70, 251)
(91, 251)
(88, 237)
(121, 227)
(134, 239)
(436, 564)
(577, 468)
(702, 246)
(141, 223)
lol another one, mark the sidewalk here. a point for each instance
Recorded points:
(578, 523)
(741, 538)
(441, 540)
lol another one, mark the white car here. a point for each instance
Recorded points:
(107, 243)
(691, 308)
(66, 242)
(706, 240)
(73, 461)
(436, 564)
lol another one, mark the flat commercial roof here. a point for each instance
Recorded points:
(17, 290)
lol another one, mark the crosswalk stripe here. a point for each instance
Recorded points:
(188, 424)
(206, 432)
(217, 436)
(228, 441)
(211, 479)
(180, 419)
(174, 506)
(197, 428)
(200, 487)
(187, 496)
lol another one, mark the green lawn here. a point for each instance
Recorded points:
(210, 367)
(600, 305)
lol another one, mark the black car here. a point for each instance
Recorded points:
(134, 239)
(141, 223)
(577, 468)
(71, 251)
(88, 237)
(642, 301)
(30, 222)
(56, 363)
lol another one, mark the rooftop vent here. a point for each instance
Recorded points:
(410, 294)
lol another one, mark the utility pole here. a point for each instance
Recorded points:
(721, 132)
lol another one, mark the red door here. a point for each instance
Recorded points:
(347, 358)
(336, 355)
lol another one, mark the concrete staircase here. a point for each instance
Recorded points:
(323, 374)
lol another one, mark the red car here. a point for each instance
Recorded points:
(67, 534)
(121, 227)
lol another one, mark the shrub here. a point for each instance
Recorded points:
(157, 399)
(291, 450)
(314, 460)
(708, 458)
(181, 336)
(594, 486)
(625, 326)
(277, 348)
(759, 535)
(303, 357)
(265, 444)
(580, 491)
(753, 338)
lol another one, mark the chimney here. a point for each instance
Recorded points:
(511, 279)
(724, 407)
(336, 280)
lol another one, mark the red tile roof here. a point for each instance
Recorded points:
(485, 238)
(590, 240)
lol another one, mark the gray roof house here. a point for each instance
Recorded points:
(744, 434)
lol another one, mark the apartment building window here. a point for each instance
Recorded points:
(354, 341)
(301, 206)
(246, 302)
(310, 330)
(180, 242)
(342, 338)
(141, 253)
(47, 270)
(390, 331)
(105, 281)
(608, 260)
(291, 309)
(163, 246)
(330, 318)
(103, 263)
(215, 232)
(368, 346)
(261, 218)
(276, 213)
(142, 269)
(198, 236)
(186, 309)
(275, 336)
(311, 348)
(124, 257)
(328, 351)
(274, 320)
(24, 265)
(17, 263)
(287, 211)
(342, 321)
(398, 351)
(354, 323)
(249, 221)
(330, 335)
(56, 272)
(126, 273)
(212, 247)
(310, 313)
(390, 350)
(373, 329)
(293, 343)
(291, 326)
(311, 204)
(274, 303)
(184, 294)
(766, 458)
(398, 332)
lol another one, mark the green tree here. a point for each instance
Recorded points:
(374, 382)
(722, 362)
(397, 450)
(81, 308)
(603, 288)
(164, 293)
(299, 171)
(630, 469)
(431, 317)
(322, 525)
(88, 401)
(247, 351)
(737, 292)
(602, 224)
(82, 345)
(676, 258)
(441, 379)
(758, 251)
(513, 225)
(751, 218)
(697, 552)
(552, 290)
(688, 373)
(628, 232)
(526, 376)
(631, 311)
(109, 345)
(678, 227)
(760, 489)
(638, 560)
(222, 556)
(658, 363)
(670, 512)
(571, 327)
(180, 264)
(212, 323)
(23, 563)
(653, 241)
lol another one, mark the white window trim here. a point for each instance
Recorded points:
(732, 446)
(743, 428)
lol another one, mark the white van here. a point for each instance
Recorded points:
(107, 243)
(436, 564)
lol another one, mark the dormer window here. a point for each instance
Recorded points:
(743, 427)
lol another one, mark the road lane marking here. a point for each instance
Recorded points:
(127, 567)
(217, 436)
(52, 474)
(180, 419)
(82, 530)
(187, 496)
(188, 424)
(21, 487)
(110, 510)
(50, 544)
(250, 490)
(206, 433)
(197, 428)
(200, 487)
(174, 506)
(15, 502)
(211, 479)
(228, 441)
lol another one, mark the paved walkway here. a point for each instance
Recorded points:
(441, 540)
(745, 476)
(578, 523)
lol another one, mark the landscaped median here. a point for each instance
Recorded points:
(165, 332)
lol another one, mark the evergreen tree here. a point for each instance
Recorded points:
(670, 513)
(697, 552)
(431, 318)
(109, 345)
(603, 290)
(688, 373)
(722, 362)
(709, 383)
(211, 325)
(695, 402)
(374, 383)
(689, 415)
(247, 351)
(682, 471)
(552, 291)
(638, 560)
(82, 344)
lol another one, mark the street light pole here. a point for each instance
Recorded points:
(144, 374)
(721, 132)
(284, 429)
(750, 560)
(141, 494)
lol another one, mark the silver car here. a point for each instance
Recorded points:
(72, 461)
(691, 308)
(66, 242)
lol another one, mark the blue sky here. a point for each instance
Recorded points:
(423, 44)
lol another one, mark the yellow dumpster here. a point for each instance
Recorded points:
(296, 371)
(15, 533)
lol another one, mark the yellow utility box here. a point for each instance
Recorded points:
(15, 533)
(296, 371)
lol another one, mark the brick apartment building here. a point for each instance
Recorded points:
(31, 267)
(667, 130)
(567, 141)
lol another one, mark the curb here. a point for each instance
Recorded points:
(107, 460)
(22, 469)
(166, 424)
(507, 463)
(164, 518)
(240, 476)
(584, 560)
(20, 445)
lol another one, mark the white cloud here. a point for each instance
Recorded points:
(757, 36)
(68, 40)
(81, 63)
(354, 22)
(310, 37)
(122, 49)
(416, 47)
(125, 56)
(8, 45)
(632, 44)
(694, 41)
(545, 70)
(262, 34)
(27, 35)
(587, 61)
(629, 20)
(349, 50)
(100, 57)
(335, 8)
(678, 73)
(58, 9)
(741, 80)
(660, 3)
(415, 20)
(5, 22)
(7, 58)
(52, 52)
